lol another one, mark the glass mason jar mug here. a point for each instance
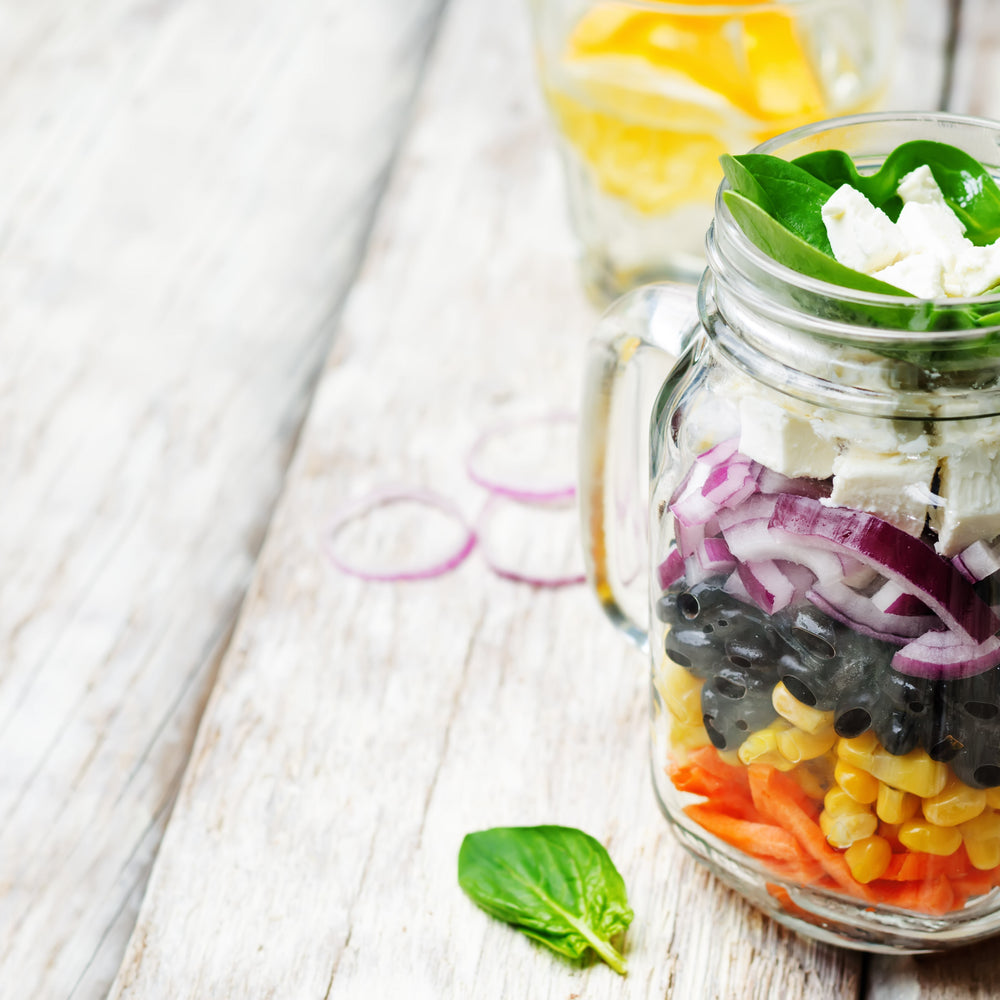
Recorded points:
(818, 579)
(646, 95)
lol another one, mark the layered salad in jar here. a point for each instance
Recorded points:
(829, 605)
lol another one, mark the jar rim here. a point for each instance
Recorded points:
(753, 257)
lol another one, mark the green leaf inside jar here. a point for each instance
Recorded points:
(778, 205)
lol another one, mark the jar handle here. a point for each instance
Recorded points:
(636, 345)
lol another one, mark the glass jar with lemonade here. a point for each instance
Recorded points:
(646, 95)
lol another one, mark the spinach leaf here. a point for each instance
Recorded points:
(795, 252)
(555, 883)
(967, 186)
(835, 168)
(789, 194)
(743, 182)
(779, 206)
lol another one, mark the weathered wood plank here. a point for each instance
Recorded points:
(921, 78)
(976, 83)
(186, 188)
(357, 731)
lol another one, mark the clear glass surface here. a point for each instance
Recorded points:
(824, 577)
(645, 96)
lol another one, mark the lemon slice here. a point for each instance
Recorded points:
(651, 100)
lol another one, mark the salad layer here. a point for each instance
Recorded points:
(833, 687)
(830, 601)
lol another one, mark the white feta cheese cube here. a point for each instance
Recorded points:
(924, 252)
(920, 274)
(861, 235)
(892, 486)
(878, 435)
(970, 489)
(782, 440)
(975, 270)
(920, 186)
(932, 228)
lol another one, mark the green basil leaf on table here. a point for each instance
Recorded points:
(555, 883)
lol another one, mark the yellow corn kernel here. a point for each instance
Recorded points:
(913, 772)
(815, 777)
(993, 798)
(761, 747)
(842, 831)
(985, 826)
(983, 854)
(860, 785)
(837, 802)
(981, 837)
(955, 803)
(797, 745)
(730, 757)
(919, 835)
(889, 832)
(894, 806)
(868, 858)
(688, 737)
(680, 691)
(804, 717)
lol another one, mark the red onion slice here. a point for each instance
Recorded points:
(753, 540)
(769, 588)
(413, 563)
(530, 460)
(770, 481)
(690, 537)
(710, 558)
(900, 557)
(978, 561)
(734, 588)
(861, 613)
(719, 477)
(671, 569)
(892, 599)
(947, 655)
(729, 485)
(536, 543)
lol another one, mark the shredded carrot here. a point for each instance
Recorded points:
(934, 895)
(757, 839)
(913, 866)
(767, 782)
(916, 866)
(769, 816)
(783, 802)
(976, 883)
(708, 759)
(688, 777)
(726, 787)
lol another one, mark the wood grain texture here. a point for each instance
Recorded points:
(358, 730)
(187, 191)
(976, 86)
(922, 76)
(182, 209)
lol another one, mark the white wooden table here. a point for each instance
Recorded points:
(227, 770)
